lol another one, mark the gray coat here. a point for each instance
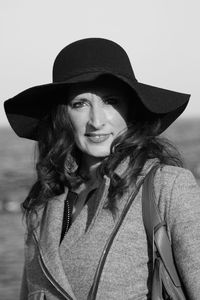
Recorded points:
(126, 271)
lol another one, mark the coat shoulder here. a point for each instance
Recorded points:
(175, 188)
(171, 175)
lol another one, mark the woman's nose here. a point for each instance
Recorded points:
(97, 117)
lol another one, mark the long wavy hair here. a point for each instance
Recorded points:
(59, 159)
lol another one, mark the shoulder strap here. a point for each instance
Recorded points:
(156, 228)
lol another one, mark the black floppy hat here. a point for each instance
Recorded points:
(82, 61)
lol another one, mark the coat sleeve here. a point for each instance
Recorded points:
(24, 286)
(184, 222)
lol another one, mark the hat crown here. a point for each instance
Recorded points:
(90, 55)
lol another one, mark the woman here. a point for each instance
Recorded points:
(97, 129)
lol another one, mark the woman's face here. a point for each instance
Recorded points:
(98, 114)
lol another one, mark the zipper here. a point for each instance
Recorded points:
(67, 213)
(68, 218)
(49, 276)
(94, 287)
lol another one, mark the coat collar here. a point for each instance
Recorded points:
(122, 167)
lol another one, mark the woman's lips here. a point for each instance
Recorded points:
(97, 138)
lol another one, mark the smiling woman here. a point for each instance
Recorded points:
(97, 116)
(98, 130)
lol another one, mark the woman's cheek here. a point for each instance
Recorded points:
(78, 121)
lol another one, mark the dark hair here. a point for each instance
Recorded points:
(59, 158)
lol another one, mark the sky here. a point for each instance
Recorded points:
(161, 37)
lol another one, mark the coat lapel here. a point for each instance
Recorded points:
(48, 236)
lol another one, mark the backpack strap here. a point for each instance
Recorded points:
(156, 228)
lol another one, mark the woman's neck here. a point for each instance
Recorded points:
(89, 168)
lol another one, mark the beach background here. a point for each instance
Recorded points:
(161, 38)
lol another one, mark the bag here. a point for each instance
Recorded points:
(165, 283)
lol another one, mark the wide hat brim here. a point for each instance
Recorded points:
(25, 110)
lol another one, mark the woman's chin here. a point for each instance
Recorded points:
(97, 154)
(97, 151)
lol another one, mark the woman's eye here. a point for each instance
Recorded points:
(112, 101)
(78, 104)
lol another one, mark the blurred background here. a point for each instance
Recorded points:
(162, 40)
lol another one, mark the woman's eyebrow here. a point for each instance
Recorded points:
(111, 96)
(78, 98)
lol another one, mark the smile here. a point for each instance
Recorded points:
(98, 138)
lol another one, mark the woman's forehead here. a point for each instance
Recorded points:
(100, 88)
